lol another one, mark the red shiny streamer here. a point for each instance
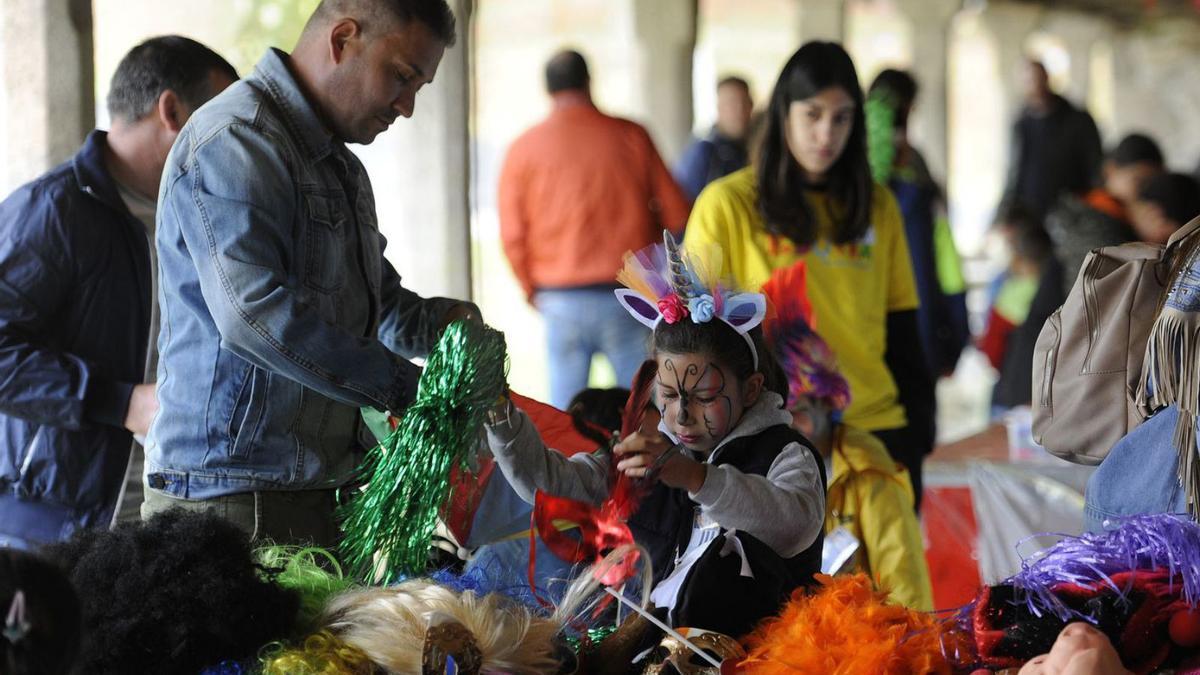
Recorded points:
(601, 529)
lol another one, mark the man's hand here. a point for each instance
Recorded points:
(460, 311)
(1079, 650)
(638, 454)
(143, 403)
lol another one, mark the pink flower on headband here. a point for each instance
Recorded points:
(672, 308)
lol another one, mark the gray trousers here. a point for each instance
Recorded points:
(303, 517)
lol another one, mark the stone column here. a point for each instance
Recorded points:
(1010, 24)
(665, 37)
(1078, 31)
(821, 20)
(420, 170)
(931, 20)
(47, 103)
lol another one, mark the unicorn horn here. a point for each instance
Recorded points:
(681, 281)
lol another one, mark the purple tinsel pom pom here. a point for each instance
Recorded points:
(1162, 541)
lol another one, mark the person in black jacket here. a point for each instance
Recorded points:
(1055, 148)
(78, 303)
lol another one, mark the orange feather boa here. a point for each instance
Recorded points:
(846, 628)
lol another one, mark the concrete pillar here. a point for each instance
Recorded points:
(1079, 31)
(822, 20)
(928, 127)
(47, 105)
(1010, 24)
(420, 171)
(665, 38)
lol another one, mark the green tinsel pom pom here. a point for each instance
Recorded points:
(591, 639)
(409, 473)
(881, 148)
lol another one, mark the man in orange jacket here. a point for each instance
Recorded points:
(577, 191)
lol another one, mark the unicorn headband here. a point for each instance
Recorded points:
(662, 284)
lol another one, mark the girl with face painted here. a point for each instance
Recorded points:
(737, 491)
(809, 197)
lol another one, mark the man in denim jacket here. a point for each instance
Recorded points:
(281, 317)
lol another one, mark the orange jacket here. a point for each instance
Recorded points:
(579, 190)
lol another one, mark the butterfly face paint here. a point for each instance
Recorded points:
(700, 403)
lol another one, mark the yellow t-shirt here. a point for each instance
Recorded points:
(852, 287)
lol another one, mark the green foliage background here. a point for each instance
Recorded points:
(267, 23)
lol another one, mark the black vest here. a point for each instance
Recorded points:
(715, 596)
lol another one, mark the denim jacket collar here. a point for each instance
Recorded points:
(295, 109)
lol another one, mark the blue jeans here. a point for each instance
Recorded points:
(581, 323)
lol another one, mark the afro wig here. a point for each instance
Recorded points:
(173, 594)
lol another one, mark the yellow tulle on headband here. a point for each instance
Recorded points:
(647, 271)
(707, 263)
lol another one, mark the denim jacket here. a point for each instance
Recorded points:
(280, 315)
(74, 319)
(1138, 476)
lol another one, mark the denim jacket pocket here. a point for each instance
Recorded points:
(247, 413)
(325, 231)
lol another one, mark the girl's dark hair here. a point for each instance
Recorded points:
(50, 645)
(813, 68)
(720, 341)
(596, 411)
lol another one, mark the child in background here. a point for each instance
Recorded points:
(743, 489)
(1164, 204)
(596, 413)
(1029, 291)
(869, 516)
(41, 626)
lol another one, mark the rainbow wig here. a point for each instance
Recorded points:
(805, 358)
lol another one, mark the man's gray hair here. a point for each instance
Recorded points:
(377, 16)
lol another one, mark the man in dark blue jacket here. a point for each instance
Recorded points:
(77, 301)
(723, 150)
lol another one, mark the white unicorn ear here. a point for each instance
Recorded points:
(639, 307)
(744, 311)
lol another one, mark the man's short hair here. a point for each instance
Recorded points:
(1136, 149)
(379, 16)
(900, 85)
(566, 70)
(1177, 194)
(733, 81)
(168, 62)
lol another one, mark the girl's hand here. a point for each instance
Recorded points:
(638, 453)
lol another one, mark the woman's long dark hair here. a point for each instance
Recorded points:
(816, 66)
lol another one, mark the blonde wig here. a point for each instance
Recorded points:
(389, 625)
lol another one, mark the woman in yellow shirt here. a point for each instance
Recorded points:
(810, 198)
